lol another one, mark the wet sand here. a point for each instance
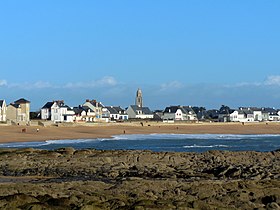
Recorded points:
(15, 134)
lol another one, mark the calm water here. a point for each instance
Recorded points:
(165, 142)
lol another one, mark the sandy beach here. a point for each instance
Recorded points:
(14, 133)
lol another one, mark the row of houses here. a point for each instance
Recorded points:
(249, 114)
(94, 111)
(90, 111)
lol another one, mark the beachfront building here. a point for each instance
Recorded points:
(46, 111)
(19, 111)
(84, 114)
(179, 113)
(60, 112)
(117, 113)
(242, 116)
(97, 108)
(273, 114)
(259, 114)
(3, 110)
(137, 112)
(224, 114)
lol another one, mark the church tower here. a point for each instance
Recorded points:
(139, 98)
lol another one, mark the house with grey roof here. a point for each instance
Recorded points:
(57, 111)
(98, 109)
(3, 110)
(117, 113)
(138, 112)
(273, 114)
(242, 115)
(19, 111)
(260, 114)
(179, 113)
(84, 114)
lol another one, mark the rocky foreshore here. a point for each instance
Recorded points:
(93, 179)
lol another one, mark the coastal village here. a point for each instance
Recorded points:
(57, 111)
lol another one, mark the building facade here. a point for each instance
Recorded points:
(3, 111)
(19, 111)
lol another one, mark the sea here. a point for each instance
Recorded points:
(163, 143)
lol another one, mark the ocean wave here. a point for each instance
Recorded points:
(191, 136)
(23, 144)
(45, 143)
(205, 146)
(69, 141)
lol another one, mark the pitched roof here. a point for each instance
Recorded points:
(80, 109)
(188, 110)
(86, 108)
(115, 110)
(22, 101)
(15, 105)
(112, 110)
(145, 110)
(95, 103)
(184, 109)
(1, 103)
(171, 109)
(48, 105)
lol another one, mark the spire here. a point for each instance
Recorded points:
(139, 98)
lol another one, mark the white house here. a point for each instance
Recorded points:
(259, 114)
(137, 112)
(61, 112)
(46, 111)
(272, 113)
(242, 116)
(117, 113)
(179, 113)
(3, 110)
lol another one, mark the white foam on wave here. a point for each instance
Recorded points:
(45, 143)
(191, 136)
(69, 141)
(206, 146)
(23, 144)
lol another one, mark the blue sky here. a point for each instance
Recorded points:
(188, 52)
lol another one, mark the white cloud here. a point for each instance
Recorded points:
(3, 83)
(34, 85)
(243, 84)
(41, 84)
(104, 82)
(272, 80)
(110, 81)
(171, 85)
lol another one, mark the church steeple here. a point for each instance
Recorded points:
(139, 98)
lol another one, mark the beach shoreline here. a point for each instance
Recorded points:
(14, 133)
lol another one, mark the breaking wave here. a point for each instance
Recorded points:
(206, 146)
(190, 136)
(163, 142)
